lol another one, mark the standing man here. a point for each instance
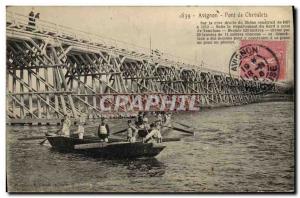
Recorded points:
(66, 126)
(80, 129)
(31, 20)
(131, 132)
(144, 129)
(36, 19)
(145, 126)
(103, 130)
(160, 118)
(168, 119)
(139, 119)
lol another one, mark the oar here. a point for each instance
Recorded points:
(32, 138)
(185, 131)
(181, 130)
(42, 142)
(122, 131)
(208, 130)
(171, 139)
(195, 128)
(183, 124)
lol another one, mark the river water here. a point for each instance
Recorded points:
(236, 149)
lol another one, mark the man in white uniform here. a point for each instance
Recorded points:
(103, 131)
(66, 126)
(154, 135)
(80, 129)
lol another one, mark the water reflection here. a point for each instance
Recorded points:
(144, 167)
(150, 167)
(243, 148)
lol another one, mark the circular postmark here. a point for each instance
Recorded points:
(255, 62)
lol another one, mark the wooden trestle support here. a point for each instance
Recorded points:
(51, 72)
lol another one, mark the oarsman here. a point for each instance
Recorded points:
(131, 132)
(103, 130)
(155, 134)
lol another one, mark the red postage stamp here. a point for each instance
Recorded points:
(259, 60)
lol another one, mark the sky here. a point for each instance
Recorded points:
(160, 26)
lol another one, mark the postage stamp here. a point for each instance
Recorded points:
(259, 60)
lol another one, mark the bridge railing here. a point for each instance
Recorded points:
(54, 29)
(41, 25)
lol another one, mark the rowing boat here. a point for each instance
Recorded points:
(112, 149)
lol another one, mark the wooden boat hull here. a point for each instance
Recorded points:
(103, 149)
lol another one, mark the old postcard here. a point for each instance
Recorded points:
(150, 99)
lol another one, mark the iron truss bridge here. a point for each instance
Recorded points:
(53, 70)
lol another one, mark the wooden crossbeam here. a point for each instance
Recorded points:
(21, 103)
(36, 67)
(33, 90)
(42, 92)
(93, 74)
